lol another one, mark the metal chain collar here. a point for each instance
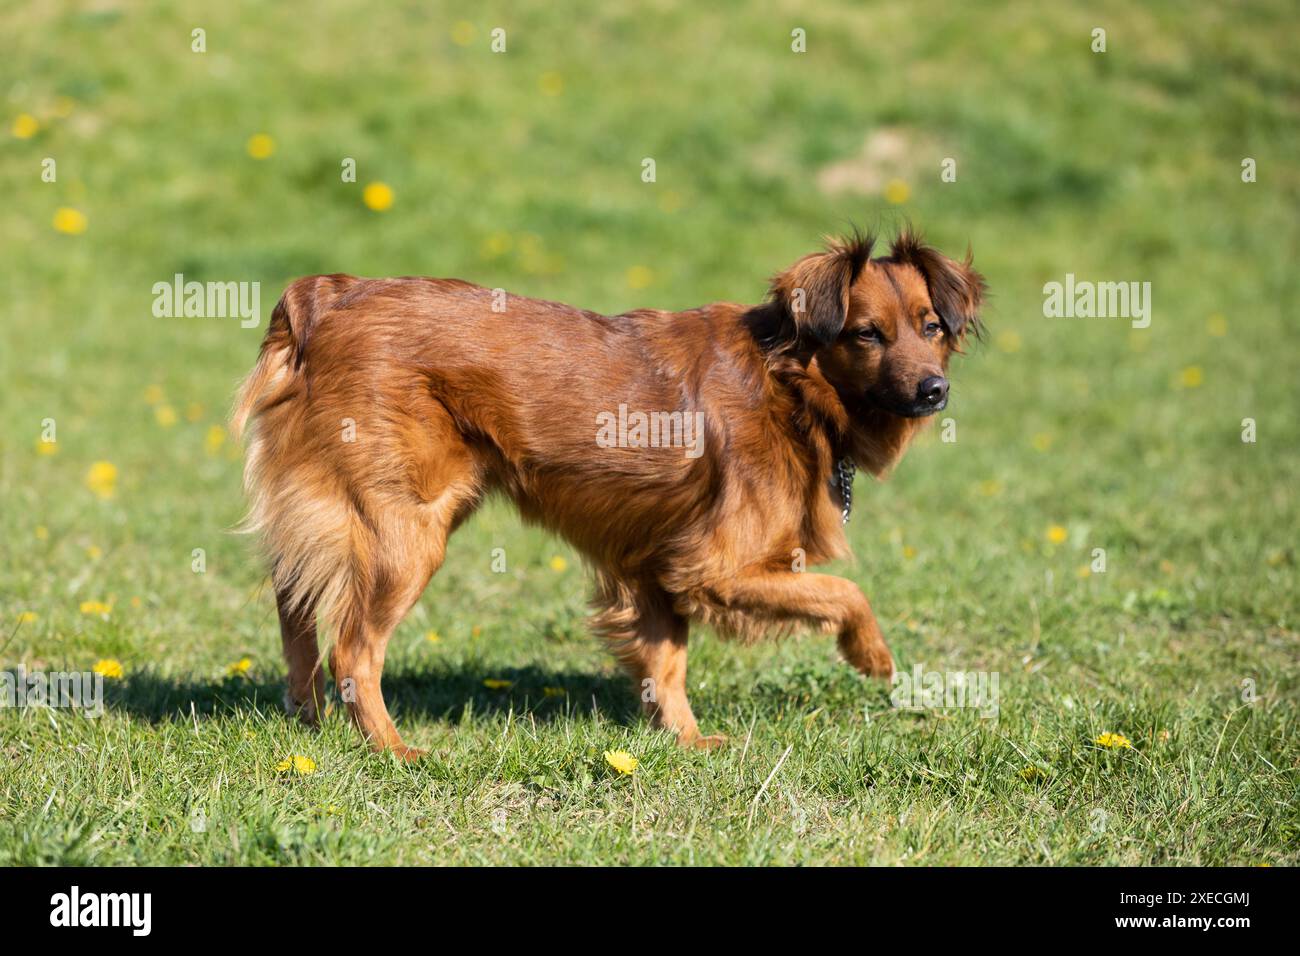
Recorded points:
(845, 469)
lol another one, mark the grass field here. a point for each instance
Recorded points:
(523, 169)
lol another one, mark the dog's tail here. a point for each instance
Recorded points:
(285, 345)
(311, 532)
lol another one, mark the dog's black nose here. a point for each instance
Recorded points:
(933, 390)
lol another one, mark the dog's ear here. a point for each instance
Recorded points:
(813, 294)
(956, 289)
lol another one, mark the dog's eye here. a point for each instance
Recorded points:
(870, 334)
(932, 329)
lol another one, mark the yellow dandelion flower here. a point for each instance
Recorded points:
(1033, 774)
(46, 448)
(433, 637)
(109, 667)
(1083, 571)
(497, 244)
(96, 608)
(553, 692)
(639, 277)
(1042, 441)
(102, 479)
(25, 126)
(240, 668)
(1191, 377)
(154, 394)
(28, 617)
(94, 552)
(377, 196)
(1009, 341)
(551, 83)
(136, 603)
(475, 631)
(621, 760)
(214, 439)
(63, 106)
(260, 146)
(69, 221)
(298, 764)
(462, 33)
(1217, 325)
(990, 488)
(1113, 741)
(42, 533)
(498, 683)
(897, 192)
(1057, 534)
(193, 412)
(165, 415)
(670, 200)
(909, 552)
(558, 564)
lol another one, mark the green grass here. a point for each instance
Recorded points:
(523, 170)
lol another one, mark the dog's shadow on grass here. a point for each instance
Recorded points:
(444, 694)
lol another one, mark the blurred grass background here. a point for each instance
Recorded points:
(523, 169)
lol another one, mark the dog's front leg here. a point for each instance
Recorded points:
(832, 603)
(649, 638)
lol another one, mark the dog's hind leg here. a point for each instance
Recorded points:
(409, 543)
(305, 695)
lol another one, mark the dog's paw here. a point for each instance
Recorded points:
(306, 712)
(881, 667)
(407, 754)
(873, 662)
(711, 742)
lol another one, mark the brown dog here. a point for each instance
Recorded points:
(695, 458)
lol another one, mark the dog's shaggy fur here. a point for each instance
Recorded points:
(385, 411)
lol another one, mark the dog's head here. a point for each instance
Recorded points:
(881, 330)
